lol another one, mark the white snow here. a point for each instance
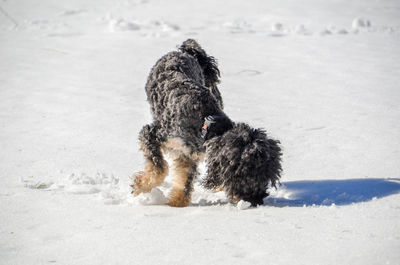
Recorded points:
(155, 197)
(361, 23)
(321, 76)
(243, 205)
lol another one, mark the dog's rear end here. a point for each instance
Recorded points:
(244, 162)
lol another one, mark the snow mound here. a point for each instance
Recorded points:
(106, 187)
(85, 184)
(163, 26)
(277, 27)
(342, 31)
(360, 23)
(301, 30)
(121, 24)
(243, 205)
(31, 183)
(103, 186)
(152, 28)
(238, 26)
(155, 197)
(326, 32)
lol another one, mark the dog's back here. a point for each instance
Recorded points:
(182, 91)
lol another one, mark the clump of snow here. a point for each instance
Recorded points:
(277, 30)
(277, 27)
(164, 26)
(359, 22)
(152, 28)
(155, 197)
(35, 184)
(326, 32)
(333, 29)
(84, 184)
(97, 179)
(342, 31)
(243, 205)
(238, 26)
(301, 29)
(122, 24)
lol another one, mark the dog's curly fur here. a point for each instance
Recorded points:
(182, 92)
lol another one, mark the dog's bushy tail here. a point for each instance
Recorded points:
(207, 63)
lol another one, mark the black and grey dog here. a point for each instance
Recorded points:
(189, 124)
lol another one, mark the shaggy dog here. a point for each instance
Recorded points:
(189, 124)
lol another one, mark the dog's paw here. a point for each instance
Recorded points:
(233, 199)
(177, 198)
(178, 203)
(140, 185)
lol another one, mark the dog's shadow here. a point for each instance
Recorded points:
(328, 192)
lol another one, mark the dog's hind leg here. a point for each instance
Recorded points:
(156, 168)
(185, 171)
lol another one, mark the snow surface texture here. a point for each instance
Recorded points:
(321, 76)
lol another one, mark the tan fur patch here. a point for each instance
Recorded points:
(233, 199)
(175, 147)
(183, 161)
(220, 188)
(177, 197)
(150, 177)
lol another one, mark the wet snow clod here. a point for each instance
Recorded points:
(155, 197)
(243, 205)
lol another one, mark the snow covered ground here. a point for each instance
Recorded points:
(321, 76)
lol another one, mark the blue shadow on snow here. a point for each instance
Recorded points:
(327, 192)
